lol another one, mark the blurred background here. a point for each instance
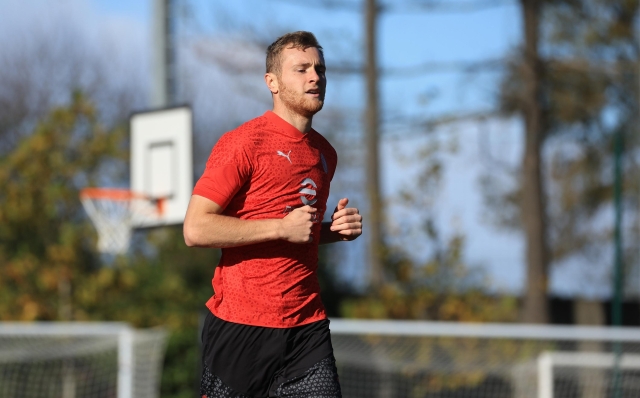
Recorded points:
(491, 145)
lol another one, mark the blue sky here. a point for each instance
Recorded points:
(139, 10)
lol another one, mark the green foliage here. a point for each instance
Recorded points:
(43, 244)
(442, 288)
(49, 269)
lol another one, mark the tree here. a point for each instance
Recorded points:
(593, 89)
(443, 286)
(586, 79)
(533, 208)
(43, 241)
(372, 126)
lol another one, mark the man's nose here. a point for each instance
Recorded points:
(314, 76)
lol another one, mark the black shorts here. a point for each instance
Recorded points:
(259, 362)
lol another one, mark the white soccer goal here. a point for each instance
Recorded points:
(596, 369)
(79, 360)
(411, 359)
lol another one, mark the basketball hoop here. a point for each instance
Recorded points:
(114, 212)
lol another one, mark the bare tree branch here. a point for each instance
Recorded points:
(407, 6)
(402, 127)
(425, 68)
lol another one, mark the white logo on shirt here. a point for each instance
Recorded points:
(308, 192)
(280, 153)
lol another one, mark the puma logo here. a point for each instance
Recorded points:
(280, 153)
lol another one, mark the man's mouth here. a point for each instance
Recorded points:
(315, 92)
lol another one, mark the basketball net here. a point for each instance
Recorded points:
(115, 212)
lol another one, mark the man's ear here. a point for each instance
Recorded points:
(272, 82)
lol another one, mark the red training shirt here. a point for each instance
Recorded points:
(262, 170)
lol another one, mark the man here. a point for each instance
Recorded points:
(262, 199)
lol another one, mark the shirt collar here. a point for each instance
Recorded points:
(284, 127)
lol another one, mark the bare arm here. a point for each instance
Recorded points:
(346, 224)
(205, 226)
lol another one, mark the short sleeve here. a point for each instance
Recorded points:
(227, 170)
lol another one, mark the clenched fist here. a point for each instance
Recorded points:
(296, 226)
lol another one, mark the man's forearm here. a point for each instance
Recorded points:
(216, 230)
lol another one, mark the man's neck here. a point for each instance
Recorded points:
(302, 123)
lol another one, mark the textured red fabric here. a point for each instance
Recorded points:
(261, 170)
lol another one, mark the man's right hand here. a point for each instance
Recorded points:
(296, 226)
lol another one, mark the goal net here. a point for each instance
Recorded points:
(413, 359)
(79, 360)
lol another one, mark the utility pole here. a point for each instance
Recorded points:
(372, 123)
(163, 90)
(533, 211)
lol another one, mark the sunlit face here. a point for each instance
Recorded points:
(302, 81)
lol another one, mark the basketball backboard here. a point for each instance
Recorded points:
(161, 161)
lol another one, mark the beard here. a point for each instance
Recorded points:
(300, 104)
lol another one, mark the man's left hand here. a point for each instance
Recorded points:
(346, 221)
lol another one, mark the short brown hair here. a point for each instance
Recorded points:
(300, 40)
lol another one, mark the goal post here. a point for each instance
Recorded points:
(80, 359)
(549, 361)
(379, 358)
